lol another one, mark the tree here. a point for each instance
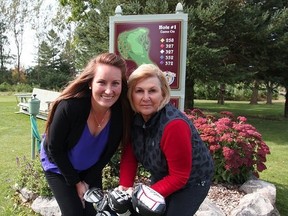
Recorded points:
(227, 39)
(65, 31)
(217, 39)
(208, 53)
(53, 68)
(3, 46)
(5, 56)
(269, 53)
(92, 22)
(17, 13)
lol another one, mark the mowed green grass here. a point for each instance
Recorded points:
(15, 142)
(269, 121)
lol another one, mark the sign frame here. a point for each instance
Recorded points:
(165, 22)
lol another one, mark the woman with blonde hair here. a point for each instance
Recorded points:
(166, 143)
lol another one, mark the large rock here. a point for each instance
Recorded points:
(209, 208)
(46, 207)
(254, 204)
(265, 188)
(26, 195)
(259, 201)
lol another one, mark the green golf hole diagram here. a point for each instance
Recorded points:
(135, 45)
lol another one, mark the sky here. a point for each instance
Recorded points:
(28, 54)
(29, 50)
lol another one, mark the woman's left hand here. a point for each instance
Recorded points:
(81, 188)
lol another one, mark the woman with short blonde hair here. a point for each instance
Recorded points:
(167, 144)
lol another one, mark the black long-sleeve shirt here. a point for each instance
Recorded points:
(66, 129)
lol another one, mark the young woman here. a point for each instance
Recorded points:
(85, 126)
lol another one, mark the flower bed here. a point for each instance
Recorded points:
(237, 147)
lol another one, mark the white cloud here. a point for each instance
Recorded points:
(29, 48)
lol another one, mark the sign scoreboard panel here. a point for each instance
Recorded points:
(150, 42)
(156, 39)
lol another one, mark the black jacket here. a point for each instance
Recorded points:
(66, 129)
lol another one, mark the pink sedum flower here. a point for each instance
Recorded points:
(236, 146)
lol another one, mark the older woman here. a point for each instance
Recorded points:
(166, 143)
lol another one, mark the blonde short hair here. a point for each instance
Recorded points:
(145, 71)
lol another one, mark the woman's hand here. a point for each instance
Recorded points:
(81, 188)
(128, 190)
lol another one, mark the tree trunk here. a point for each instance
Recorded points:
(269, 94)
(189, 94)
(254, 96)
(286, 103)
(221, 94)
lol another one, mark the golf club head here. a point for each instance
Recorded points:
(94, 195)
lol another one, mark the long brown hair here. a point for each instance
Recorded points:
(79, 88)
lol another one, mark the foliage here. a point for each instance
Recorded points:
(223, 50)
(17, 14)
(6, 87)
(4, 43)
(236, 146)
(32, 177)
(92, 17)
(15, 140)
(54, 70)
(23, 88)
(111, 172)
(208, 51)
(234, 92)
(228, 41)
(237, 149)
(109, 179)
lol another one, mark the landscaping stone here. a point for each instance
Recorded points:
(46, 207)
(258, 200)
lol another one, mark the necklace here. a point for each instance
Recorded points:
(99, 124)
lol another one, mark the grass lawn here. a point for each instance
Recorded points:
(15, 141)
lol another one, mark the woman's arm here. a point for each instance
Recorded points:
(177, 148)
(57, 142)
(128, 167)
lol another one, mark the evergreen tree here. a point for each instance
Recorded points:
(92, 17)
(53, 70)
(229, 41)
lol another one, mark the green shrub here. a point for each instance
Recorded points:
(236, 147)
(5, 87)
(23, 88)
(205, 92)
(109, 180)
(32, 176)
